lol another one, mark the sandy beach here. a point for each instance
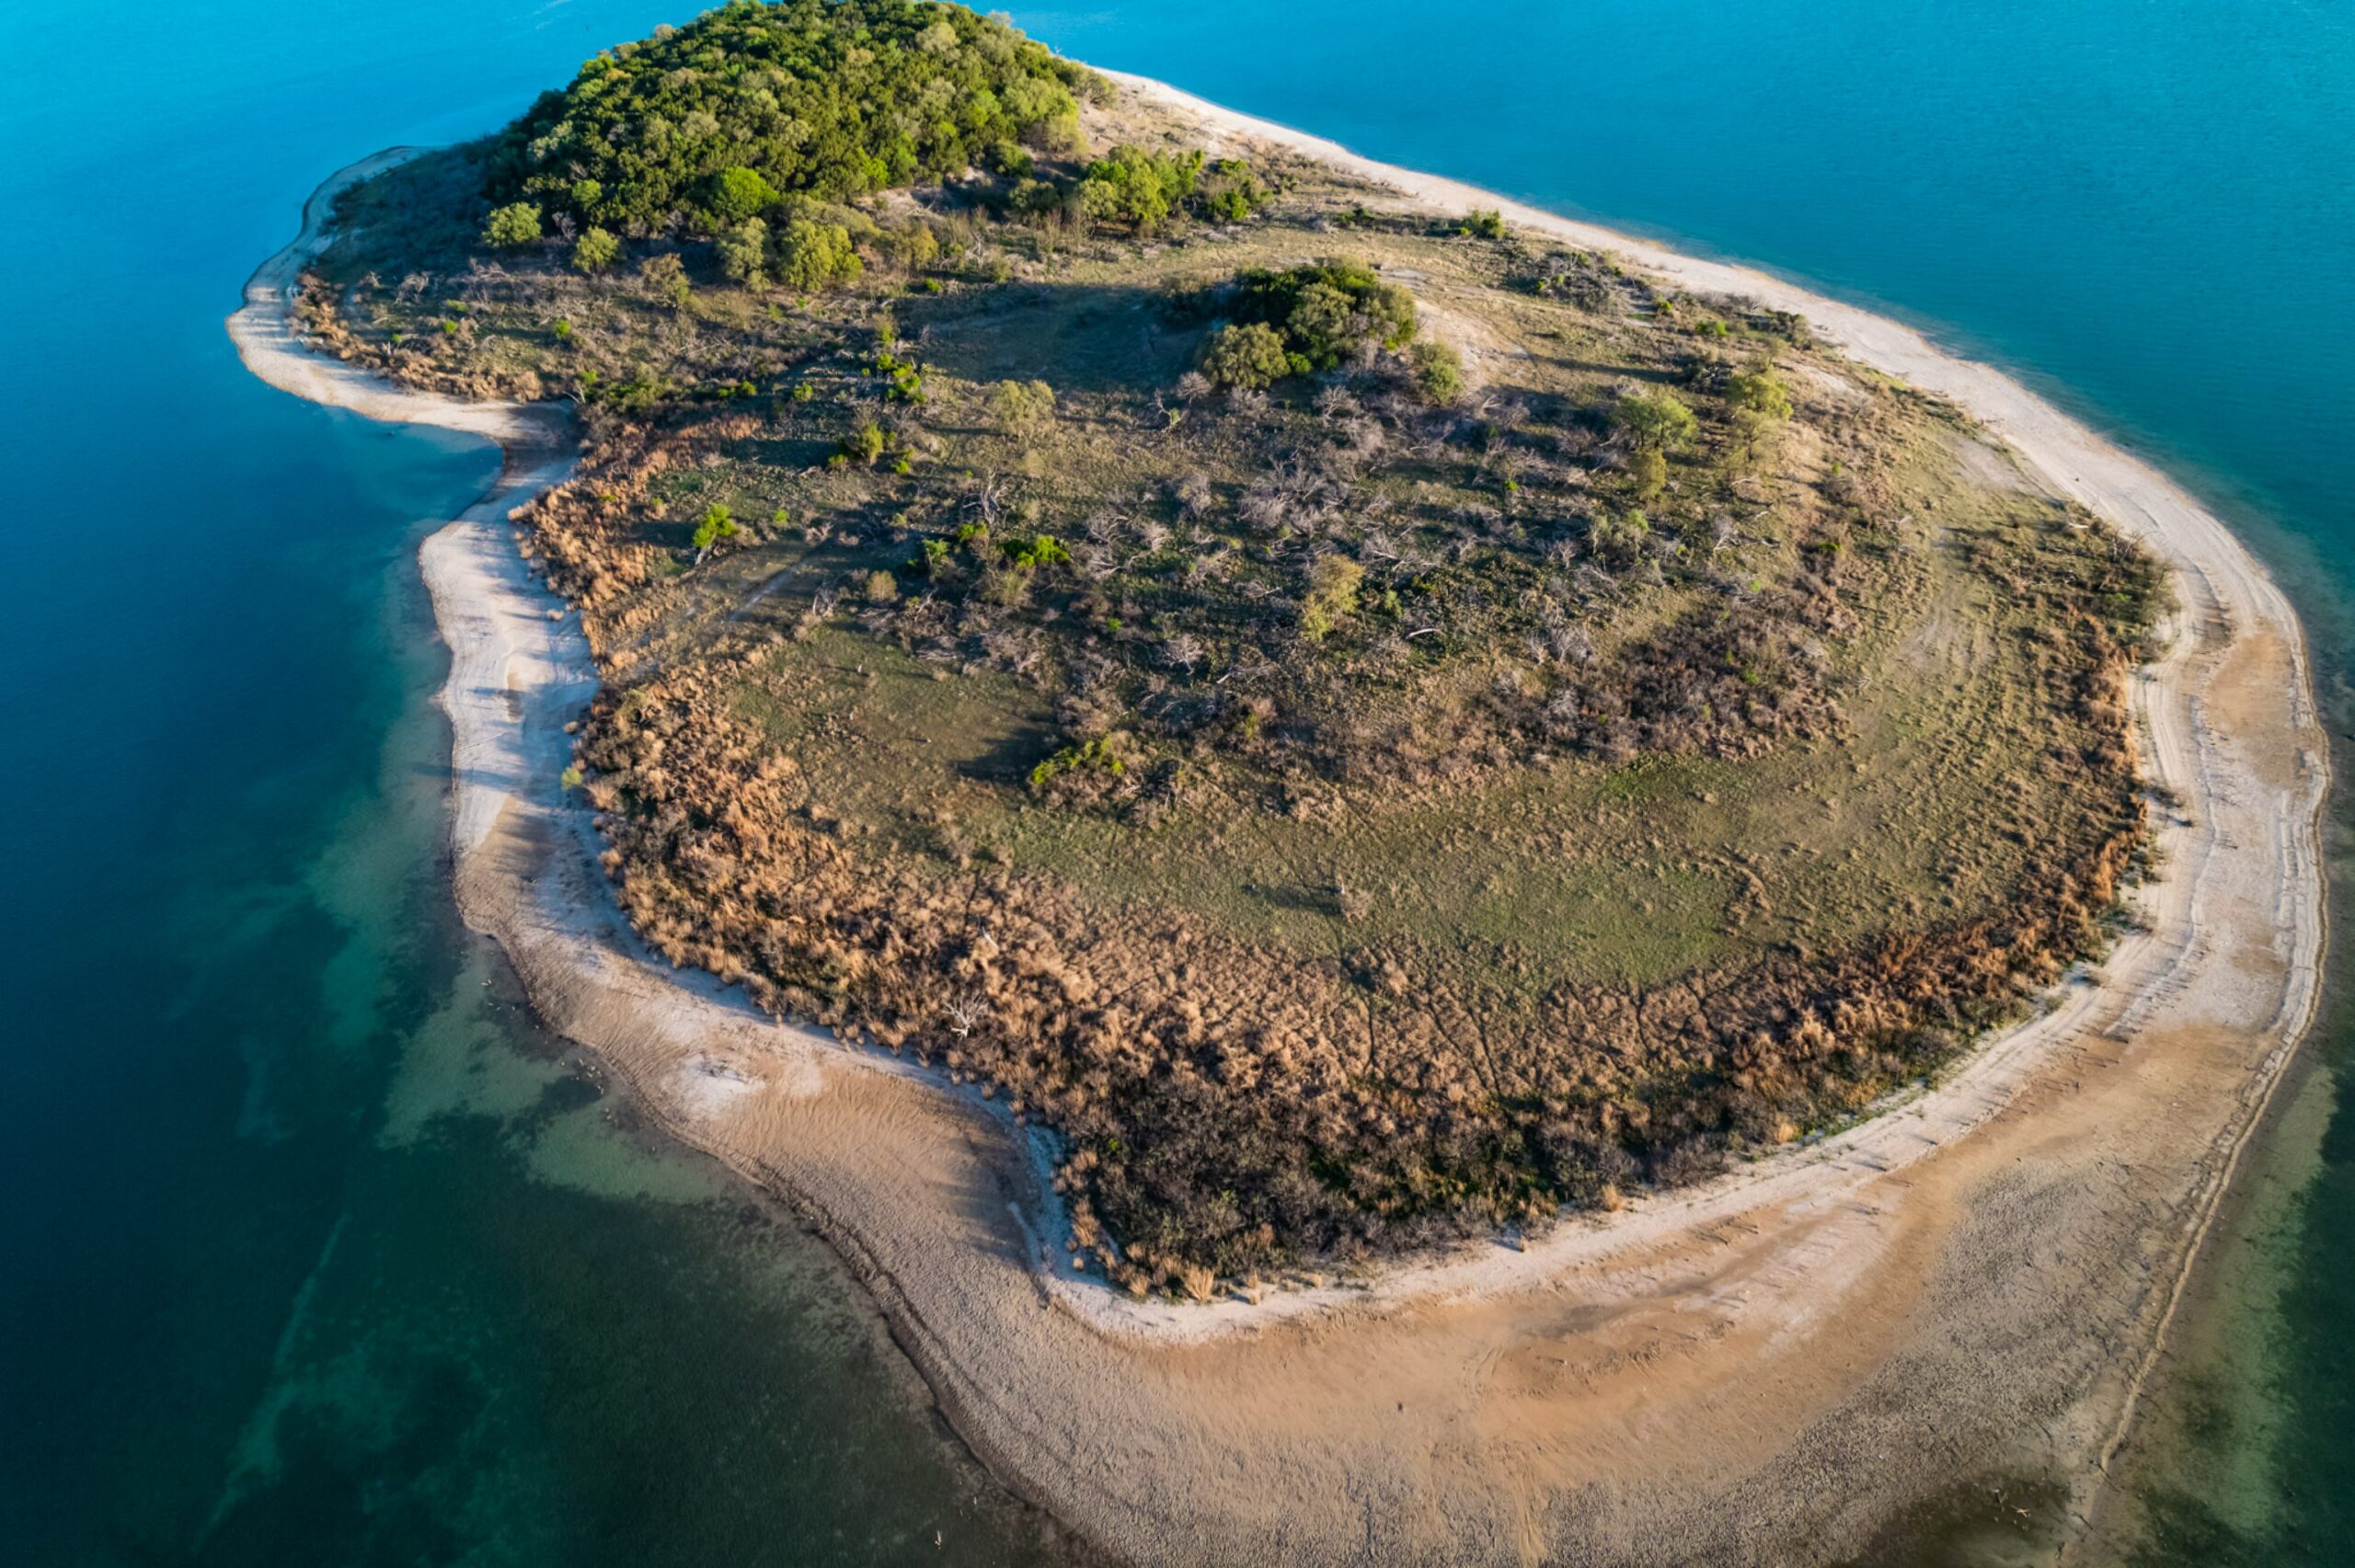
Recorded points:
(1967, 1290)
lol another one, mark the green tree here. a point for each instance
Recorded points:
(810, 255)
(1252, 354)
(828, 98)
(1129, 185)
(744, 251)
(1658, 421)
(1328, 312)
(738, 193)
(595, 251)
(664, 278)
(517, 223)
(1760, 391)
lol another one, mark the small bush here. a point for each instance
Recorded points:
(1046, 550)
(1332, 595)
(517, 223)
(716, 525)
(743, 252)
(1329, 312)
(811, 257)
(1620, 539)
(1438, 372)
(1088, 755)
(1650, 471)
(882, 587)
(1021, 404)
(595, 251)
(664, 278)
(1482, 222)
(1246, 356)
(1228, 192)
(864, 443)
(908, 249)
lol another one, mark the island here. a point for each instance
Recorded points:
(1413, 882)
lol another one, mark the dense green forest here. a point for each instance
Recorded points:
(703, 126)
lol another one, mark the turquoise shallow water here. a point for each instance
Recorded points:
(312, 1250)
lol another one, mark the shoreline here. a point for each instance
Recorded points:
(1136, 1422)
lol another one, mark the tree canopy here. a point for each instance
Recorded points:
(1304, 319)
(707, 125)
(1656, 421)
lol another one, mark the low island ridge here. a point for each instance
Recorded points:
(1782, 1356)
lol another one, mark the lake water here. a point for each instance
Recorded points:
(313, 1251)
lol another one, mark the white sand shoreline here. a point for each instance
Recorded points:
(928, 1197)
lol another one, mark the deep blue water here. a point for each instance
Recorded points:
(311, 1251)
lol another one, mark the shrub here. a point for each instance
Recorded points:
(1250, 355)
(1046, 550)
(1021, 404)
(910, 248)
(1438, 372)
(1650, 470)
(1332, 594)
(1140, 188)
(664, 278)
(595, 251)
(743, 252)
(716, 525)
(1620, 539)
(1088, 755)
(1229, 191)
(516, 224)
(1656, 420)
(1035, 198)
(1760, 391)
(1482, 222)
(812, 255)
(864, 443)
(1328, 312)
(882, 587)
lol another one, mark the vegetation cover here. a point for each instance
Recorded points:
(709, 124)
(1368, 727)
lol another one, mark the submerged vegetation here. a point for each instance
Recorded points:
(1366, 726)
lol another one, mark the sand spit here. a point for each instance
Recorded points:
(1763, 1369)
